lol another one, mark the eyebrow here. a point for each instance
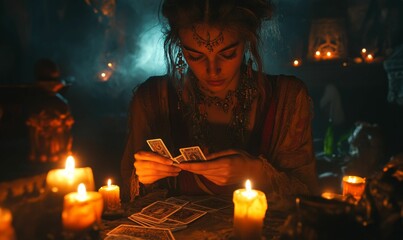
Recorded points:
(224, 49)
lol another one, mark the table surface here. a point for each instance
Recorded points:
(34, 217)
(216, 224)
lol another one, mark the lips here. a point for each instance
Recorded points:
(216, 82)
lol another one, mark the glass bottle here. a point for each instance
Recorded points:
(328, 141)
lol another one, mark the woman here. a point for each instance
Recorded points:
(248, 124)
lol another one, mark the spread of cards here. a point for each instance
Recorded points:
(187, 154)
(159, 219)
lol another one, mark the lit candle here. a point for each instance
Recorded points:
(6, 227)
(111, 196)
(353, 185)
(81, 209)
(296, 63)
(317, 54)
(63, 181)
(249, 212)
(369, 58)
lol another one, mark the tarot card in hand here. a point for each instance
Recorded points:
(158, 146)
(179, 159)
(159, 210)
(186, 215)
(192, 153)
(139, 232)
(213, 203)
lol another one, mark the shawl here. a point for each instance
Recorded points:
(286, 147)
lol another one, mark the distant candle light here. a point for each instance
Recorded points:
(329, 54)
(317, 53)
(105, 75)
(296, 63)
(364, 50)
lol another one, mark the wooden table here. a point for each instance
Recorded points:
(216, 224)
(34, 218)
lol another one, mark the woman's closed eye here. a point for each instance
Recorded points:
(229, 54)
(194, 56)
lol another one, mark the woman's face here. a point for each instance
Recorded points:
(214, 56)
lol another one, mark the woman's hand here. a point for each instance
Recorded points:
(226, 167)
(151, 167)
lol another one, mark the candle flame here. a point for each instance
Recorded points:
(364, 50)
(248, 185)
(296, 63)
(370, 57)
(109, 182)
(249, 193)
(329, 54)
(355, 179)
(70, 165)
(81, 192)
(317, 53)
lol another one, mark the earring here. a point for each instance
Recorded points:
(249, 67)
(180, 66)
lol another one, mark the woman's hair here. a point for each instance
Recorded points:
(242, 16)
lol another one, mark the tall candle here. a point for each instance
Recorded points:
(353, 185)
(81, 209)
(111, 196)
(249, 212)
(63, 181)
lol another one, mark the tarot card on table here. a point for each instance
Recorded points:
(186, 215)
(138, 232)
(177, 201)
(159, 210)
(213, 203)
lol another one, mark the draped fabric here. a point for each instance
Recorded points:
(282, 138)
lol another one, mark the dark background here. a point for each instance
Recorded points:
(82, 39)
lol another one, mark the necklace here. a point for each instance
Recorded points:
(195, 111)
(222, 104)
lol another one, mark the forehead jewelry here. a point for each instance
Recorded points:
(207, 43)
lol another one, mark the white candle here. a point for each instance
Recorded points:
(63, 181)
(249, 212)
(111, 196)
(81, 209)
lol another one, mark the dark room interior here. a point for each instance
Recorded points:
(91, 54)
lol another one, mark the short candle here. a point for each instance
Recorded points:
(249, 212)
(353, 185)
(111, 196)
(81, 209)
(63, 181)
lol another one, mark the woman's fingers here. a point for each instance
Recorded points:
(155, 166)
(153, 157)
(147, 179)
(151, 167)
